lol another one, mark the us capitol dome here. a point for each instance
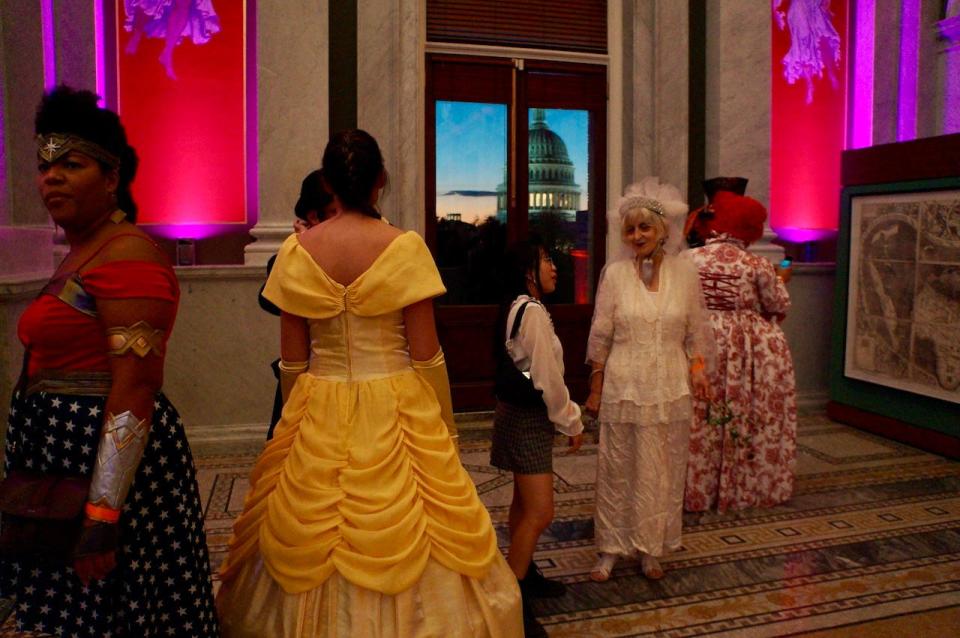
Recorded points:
(551, 185)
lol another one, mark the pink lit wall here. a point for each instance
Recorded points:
(808, 97)
(184, 108)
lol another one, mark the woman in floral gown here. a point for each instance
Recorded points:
(743, 452)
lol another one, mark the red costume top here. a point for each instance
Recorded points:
(61, 328)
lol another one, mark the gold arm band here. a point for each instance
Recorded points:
(141, 338)
(122, 441)
(289, 371)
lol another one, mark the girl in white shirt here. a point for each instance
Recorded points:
(532, 403)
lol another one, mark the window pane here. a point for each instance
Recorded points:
(471, 199)
(559, 197)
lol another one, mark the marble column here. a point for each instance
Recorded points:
(950, 32)
(660, 63)
(391, 100)
(738, 100)
(656, 125)
(292, 113)
(643, 115)
(671, 93)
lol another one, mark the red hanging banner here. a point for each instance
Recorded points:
(182, 94)
(808, 107)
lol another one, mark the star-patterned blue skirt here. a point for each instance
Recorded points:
(161, 585)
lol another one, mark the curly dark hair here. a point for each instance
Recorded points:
(352, 164)
(76, 112)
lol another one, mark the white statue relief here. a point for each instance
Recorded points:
(814, 43)
(171, 20)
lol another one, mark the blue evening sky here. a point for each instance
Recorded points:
(472, 144)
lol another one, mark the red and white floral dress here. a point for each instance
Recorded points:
(750, 460)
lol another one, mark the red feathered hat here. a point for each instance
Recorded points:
(737, 215)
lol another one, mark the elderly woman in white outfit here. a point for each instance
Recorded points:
(648, 347)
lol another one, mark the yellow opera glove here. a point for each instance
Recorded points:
(434, 372)
(289, 371)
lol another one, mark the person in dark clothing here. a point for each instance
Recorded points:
(313, 206)
(532, 404)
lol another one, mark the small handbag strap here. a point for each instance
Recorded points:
(516, 320)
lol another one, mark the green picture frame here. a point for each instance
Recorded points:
(887, 397)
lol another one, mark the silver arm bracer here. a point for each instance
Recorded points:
(122, 441)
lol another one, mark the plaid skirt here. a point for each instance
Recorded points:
(161, 585)
(522, 439)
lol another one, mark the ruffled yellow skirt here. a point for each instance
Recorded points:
(441, 603)
(361, 521)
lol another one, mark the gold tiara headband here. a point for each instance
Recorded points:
(641, 202)
(53, 146)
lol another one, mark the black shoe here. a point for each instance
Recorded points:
(533, 629)
(537, 585)
(531, 626)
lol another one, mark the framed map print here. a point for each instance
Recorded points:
(903, 290)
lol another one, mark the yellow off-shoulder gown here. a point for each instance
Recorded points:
(360, 520)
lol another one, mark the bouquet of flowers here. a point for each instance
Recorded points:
(720, 414)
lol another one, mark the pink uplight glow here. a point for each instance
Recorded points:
(186, 231)
(803, 235)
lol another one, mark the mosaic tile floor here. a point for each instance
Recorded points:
(869, 545)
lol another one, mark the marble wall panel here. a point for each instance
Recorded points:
(390, 100)
(929, 103)
(74, 36)
(644, 115)
(658, 124)
(886, 71)
(738, 92)
(218, 359)
(20, 44)
(807, 328)
(292, 112)
(671, 91)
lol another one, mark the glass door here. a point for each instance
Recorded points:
(514, 148)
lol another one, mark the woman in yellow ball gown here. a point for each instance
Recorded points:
(360, 520)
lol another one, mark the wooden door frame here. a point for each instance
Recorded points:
(466, 331)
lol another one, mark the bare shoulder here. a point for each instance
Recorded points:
(385, 231)
(346, 246)
(353, 230)
(129, 243)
